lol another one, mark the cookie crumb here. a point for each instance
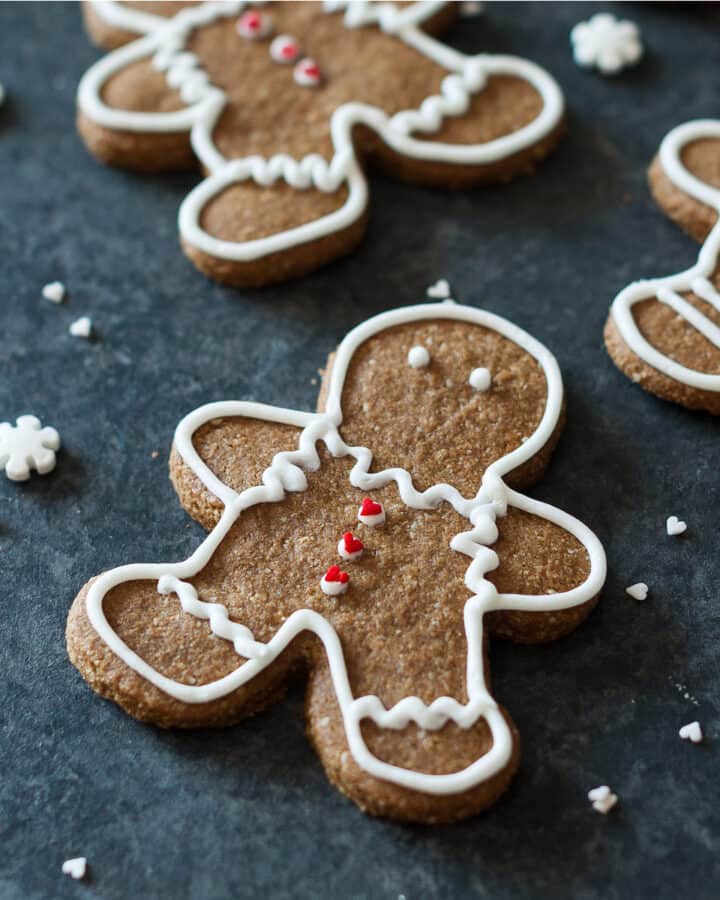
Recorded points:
(470, 8)
(155, 454)
(602, 799)
(54, 292)
(691, 732)
(81, 327)
(675, 526)
(637, 591)
(75, 868)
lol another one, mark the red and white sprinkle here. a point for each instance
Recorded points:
(254, 25)
(284, 49)
(307, 73)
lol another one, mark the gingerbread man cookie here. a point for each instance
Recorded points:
(283, 104)
(374, 546)
(664, 333)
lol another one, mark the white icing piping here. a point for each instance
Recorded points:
(467, 76)
(286, 473)
(668, 290)
(120, 15)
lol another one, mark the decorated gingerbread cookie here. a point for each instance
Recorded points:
(283, 105)
(374, 547)
(664, 333)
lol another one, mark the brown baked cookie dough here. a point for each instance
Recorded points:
(449, 556)
(284, 145)
(665, 334)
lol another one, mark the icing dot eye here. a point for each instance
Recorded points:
(480, 379)
(418, 357)
(254, 25)
(284, 49)
(307, 73)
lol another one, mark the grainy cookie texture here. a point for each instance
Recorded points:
(401, 622)
(252, 227)
(667, 330)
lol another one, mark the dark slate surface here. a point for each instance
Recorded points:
(247, 812)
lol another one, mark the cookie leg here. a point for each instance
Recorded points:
(247, 234)
(457, 771)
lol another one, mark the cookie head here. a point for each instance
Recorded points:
(445, 397)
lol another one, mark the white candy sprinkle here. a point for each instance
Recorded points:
(26, 446)
(637, 591)
(418, 357)
(480, 379)
(54, 292)
(675, 526)
(606, 43)
(81, 327)
(75, 868)
(691, 732)
(602, 799)
(470, 8)
(440, 290)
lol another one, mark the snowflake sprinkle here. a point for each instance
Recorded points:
(25, 446)
(606, 43)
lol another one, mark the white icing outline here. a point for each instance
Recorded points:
(696, 279)
(287, 473)
(126, 18)
(467, 76)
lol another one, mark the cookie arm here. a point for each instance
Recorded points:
(494, 116)
(130, 115)
(551, 570)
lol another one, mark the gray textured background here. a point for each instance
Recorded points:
(247, 812)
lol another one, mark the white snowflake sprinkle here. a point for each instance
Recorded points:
(25, 446)
(75, 868)
(54, 292)
(606, 43)
(81, 327)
